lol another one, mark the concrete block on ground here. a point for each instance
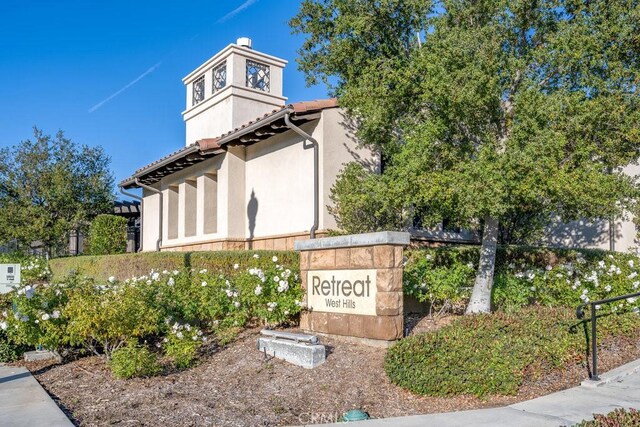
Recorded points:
(33, 356)
(306, 355)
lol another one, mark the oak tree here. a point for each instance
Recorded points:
(487, 108)
(50, 186)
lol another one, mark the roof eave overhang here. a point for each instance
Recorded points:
(249, 134)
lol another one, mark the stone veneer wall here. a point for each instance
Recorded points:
(283, 242)
(382, 252)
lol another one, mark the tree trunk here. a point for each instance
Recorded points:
(481, 297)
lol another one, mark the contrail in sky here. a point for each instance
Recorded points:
(229, 15)
(127, 86)
(235, 11)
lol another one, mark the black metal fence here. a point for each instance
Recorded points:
(594, 318)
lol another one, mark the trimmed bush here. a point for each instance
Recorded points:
(491, 353)
(108, 235)
(134, 360)
(125, 266)
(225, 261)
(121, 266)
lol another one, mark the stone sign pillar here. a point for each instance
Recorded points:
(353, 285)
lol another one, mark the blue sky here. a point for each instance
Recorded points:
(60, 59)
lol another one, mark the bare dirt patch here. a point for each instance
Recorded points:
(236, 386)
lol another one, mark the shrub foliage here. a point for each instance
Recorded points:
(108, 235)
(617, 418)
(9, 351)
(523, 276)
(134, 360)
(491, 353)
(177, 308)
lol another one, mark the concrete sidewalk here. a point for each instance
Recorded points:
(23, 402)
(619, 388)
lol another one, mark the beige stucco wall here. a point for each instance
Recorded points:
(263, 190)
(596, 234)
(339, 147)
(279, 185)
(150, 219)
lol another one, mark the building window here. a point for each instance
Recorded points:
(198, 90)
(257, 76)
(219, 77)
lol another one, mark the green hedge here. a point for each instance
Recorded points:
(491, 353)
(124, 266)
(108, 235)
(121, 266)
(225, 261)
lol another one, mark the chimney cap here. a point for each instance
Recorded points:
(244, 41)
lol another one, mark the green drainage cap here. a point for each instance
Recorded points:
(355, 415)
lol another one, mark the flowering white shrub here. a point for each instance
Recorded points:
(577, 280)
(104, 316)
(263, 292)
(182, 343)
(524, 276)
(35, 317)
(34, 269)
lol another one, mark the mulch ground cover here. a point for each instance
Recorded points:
(237, 386)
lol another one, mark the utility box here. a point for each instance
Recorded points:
(9, 277)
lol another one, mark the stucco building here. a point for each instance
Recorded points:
(255, 172)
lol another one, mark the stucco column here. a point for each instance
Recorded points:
(231, 195)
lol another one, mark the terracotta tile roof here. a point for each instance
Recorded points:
(160, 160)
(296, 108)
(210, 144)
(312, 106)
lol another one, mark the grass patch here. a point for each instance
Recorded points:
(491, 354)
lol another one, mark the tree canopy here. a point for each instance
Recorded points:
(50, 186)
(488, 112)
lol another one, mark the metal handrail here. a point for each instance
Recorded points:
(580, 315)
